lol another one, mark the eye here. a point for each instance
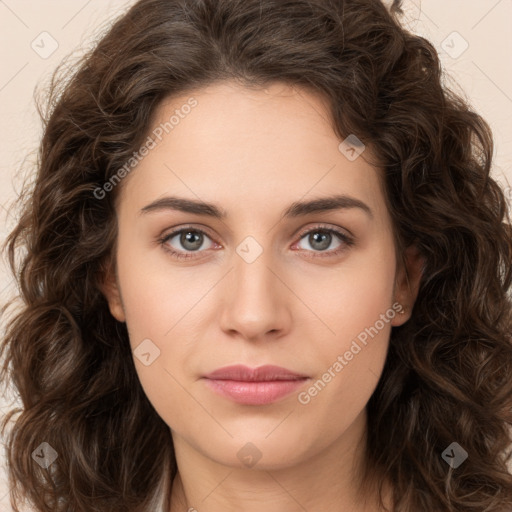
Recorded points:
(190, 240)
(320, 238)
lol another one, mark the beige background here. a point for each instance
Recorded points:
(473, 37)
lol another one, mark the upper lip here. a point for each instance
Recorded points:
(261, 373)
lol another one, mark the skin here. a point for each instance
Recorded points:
(253, 153)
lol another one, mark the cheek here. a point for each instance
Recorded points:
(159, 302)
(353, 296)
(355, 306)
(349, 362)
(155, 294)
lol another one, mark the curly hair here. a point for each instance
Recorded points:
(447, 373)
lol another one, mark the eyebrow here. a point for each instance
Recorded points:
(296, 209)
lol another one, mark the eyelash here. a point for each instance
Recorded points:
(347, 241)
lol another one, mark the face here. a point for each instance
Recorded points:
(311, 290)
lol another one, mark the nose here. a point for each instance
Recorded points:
(256, 300)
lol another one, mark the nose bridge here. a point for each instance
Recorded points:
(254, 300)
(251, 274)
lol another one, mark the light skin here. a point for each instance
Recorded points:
(297, 305)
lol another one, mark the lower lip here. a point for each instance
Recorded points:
(254, 393)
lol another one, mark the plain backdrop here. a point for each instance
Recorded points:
(473, 38)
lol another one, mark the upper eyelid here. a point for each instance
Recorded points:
(173, 232)
(320, 227)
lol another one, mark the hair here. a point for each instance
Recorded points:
(447, 373)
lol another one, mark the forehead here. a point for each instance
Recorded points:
(273, 144)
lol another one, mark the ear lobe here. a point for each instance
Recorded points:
(110, 289)
(407, 282)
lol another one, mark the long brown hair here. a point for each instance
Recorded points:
(447, 376)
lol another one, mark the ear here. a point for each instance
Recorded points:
(109, 286)
(407, 282)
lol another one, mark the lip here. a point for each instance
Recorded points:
(254, 386)
(266, 372)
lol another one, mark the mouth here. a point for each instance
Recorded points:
(258, 386)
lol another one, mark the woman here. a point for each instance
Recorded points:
(265, 266)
